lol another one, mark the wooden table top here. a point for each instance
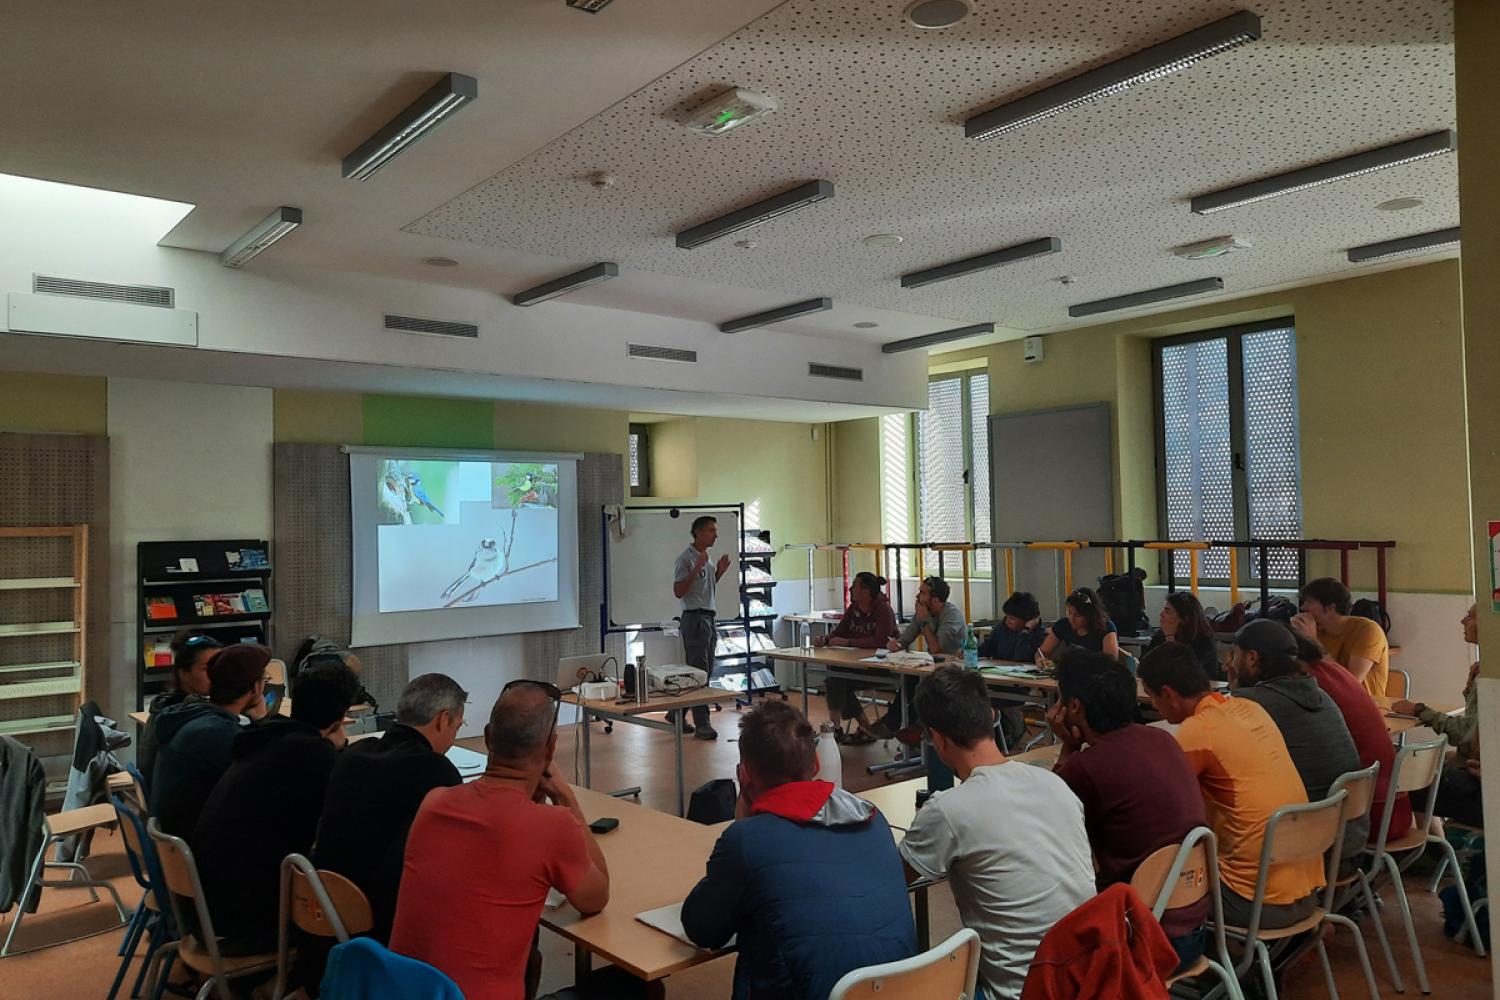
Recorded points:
(654, 860)
(1396, 724)
(655, 703)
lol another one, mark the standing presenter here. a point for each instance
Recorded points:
(693, 581)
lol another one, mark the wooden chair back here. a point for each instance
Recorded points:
(1297, 833)
(351, 910)
(1418, 764)
(1361, 788)
(177, 866)
(1188, 877)
(948, 971)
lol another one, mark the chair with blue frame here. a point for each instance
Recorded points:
(153, 915)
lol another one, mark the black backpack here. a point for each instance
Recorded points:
(1124, 597)
(1368, 608)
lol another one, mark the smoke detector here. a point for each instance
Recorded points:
(1216, 247)
(602, 179)
(934, 15)
(729, 110)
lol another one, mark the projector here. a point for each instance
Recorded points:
(674, 678)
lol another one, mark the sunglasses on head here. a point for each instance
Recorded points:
(553, 691)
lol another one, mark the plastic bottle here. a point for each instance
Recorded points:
(971, 651)
(830, 762)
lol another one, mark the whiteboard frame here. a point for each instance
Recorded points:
(607, 625)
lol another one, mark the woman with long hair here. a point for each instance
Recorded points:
(1084, 624)
(1183, 620)
(868, 623)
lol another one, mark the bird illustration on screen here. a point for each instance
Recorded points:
(418, 495)
(484, 568)
(529, 493)
(393, 500)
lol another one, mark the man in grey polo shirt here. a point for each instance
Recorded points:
(693, 581)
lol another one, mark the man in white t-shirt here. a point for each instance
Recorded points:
(1010, 839)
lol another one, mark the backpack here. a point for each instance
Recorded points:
(1124, 597)
(314, 650)
(1275, 608)
(1368, 608)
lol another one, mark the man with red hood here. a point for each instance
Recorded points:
(807, 876)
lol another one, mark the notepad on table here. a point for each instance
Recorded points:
(469, 763)
(668, 920)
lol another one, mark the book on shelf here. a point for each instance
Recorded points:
(255, 601)
(229, 604)
(203, 605)
(160, 609)
(254, 559)
(158, 653)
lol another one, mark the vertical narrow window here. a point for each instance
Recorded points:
(895, 484)
(979, 468)
(639, 460)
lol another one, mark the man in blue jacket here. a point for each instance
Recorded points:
(807, 876)
(1019, 634)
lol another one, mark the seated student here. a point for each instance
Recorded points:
(1357, 643)
(191, 652)
(194, 737)
(1182, 620)
(807, 875)
(267, 806)
(1084, 624)
(1010, 839)
(940, 624)
(1019, 634)
(1459, 789)
(1266, 670)
(1245, 775)
(481, 856)
(868, 623)
(377, 786)
(1366, 722)
(1138, 793)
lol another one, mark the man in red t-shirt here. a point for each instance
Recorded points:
(481, 856)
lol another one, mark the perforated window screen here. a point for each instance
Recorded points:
(1272, 462)
(895, 482)
(942, 499)
(635, 460)
(1228, 474)
(979, 479)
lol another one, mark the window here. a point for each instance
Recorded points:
(1228, 464)
(940, 460)
(640, 461)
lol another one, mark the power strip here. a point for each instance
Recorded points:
(599, 691)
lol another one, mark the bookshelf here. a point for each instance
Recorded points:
(221, 587)
(43, 628)
(743, 642)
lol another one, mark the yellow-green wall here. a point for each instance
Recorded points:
(674, 458)
(59, 404)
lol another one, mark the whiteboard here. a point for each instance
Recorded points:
(1052, 477)
(644, 544)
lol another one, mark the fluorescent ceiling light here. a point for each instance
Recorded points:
(270, 229)
(592, 275)
(424, 114)
(754, 215)
(1435, 144)
(1144, 66)
(1439, 240)
(1147, 297)
(931, 339)
(1021, 251)
(777, 315)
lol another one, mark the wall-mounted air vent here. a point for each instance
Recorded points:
(138, 295)
(432, 327)
(662, 353)
(817, 370)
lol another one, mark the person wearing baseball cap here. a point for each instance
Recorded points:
(1266, 669)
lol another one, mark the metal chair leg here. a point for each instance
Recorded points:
(1411, 929)
(1266, 973)
(1371, 901)
(1359, 947)
(32, 878)
(158, 969)
(1450, 855)
(1437, 875)
(1333, 987)
(128, 947)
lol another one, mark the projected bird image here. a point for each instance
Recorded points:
(455, 533)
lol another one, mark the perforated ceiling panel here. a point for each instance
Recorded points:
(876, 106)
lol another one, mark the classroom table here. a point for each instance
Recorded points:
(1396, 725)
(654, 860)
(803, 625)
(630, 711)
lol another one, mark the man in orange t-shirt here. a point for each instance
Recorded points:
(481, 856)
(1245, 774)
(1357, 644)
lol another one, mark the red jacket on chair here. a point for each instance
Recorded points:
(1110, 948)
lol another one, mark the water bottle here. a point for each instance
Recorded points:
(971, 652)
(830, 763)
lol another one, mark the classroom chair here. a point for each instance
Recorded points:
(152, 918)
(1361, 788)
(1294, 833)
(56, 829)
(321, 903)
(201, 954)
(1179, 875)
(1416, 768)
(949, 970)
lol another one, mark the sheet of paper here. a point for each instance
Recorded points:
(668, 920)
(555, 899)
(469, 763)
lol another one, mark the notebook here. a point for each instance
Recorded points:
(668, 920)
(469, 763)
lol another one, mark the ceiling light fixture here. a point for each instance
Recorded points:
(1147, 297)
(1433, 144)
(1144, 66)
(883, 240)
(1216, 247)
(955, 269)
(436, 106)
(1399, 204)
(729, 110)
(753, 215)
(933, 15)
(439, 261)
(590, 275)
(866, 325)
(777, 315)
(1440, 239)
(932, 339)
(270, 229)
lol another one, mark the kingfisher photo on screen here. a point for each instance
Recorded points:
(455, 533)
